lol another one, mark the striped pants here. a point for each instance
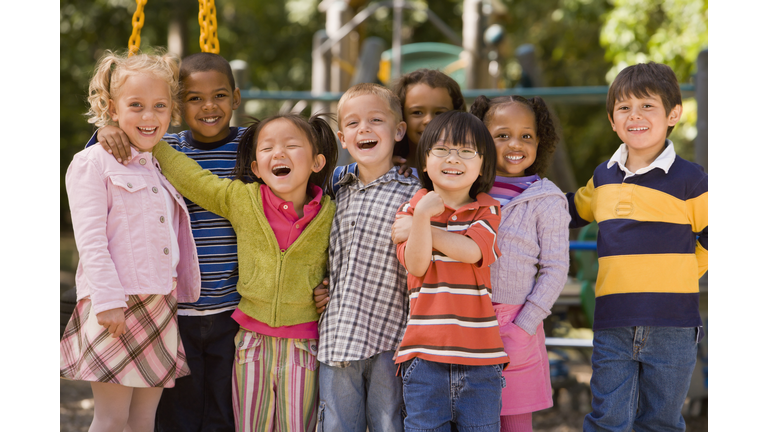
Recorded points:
(274, 383)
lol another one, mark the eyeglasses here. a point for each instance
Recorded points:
(462, 152)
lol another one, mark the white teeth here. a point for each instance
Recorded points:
(367, 142)
(147, 129)
(452, 172)
(638, 129)
(514, 158)
(279, 166)
(209, 119)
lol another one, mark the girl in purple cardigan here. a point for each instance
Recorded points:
(533, 237)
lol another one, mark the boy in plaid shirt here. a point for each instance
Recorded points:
(365, 317)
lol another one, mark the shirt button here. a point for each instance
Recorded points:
(285, 207)
(143, 161)
(162, 219)
(154, 189)
(166, 251)
(454, 217)
(353, 223)
(178, 196)
(130, 185)
(297, 226)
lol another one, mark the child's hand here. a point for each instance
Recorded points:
(432, 205)
(321, 296)
(401, 229)
(115, 142)
(402, 163)
(113, 320)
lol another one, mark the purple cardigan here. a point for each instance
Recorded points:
(533, 267)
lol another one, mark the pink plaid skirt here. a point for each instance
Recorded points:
(149, 354)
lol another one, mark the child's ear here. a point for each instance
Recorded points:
(340, 134)
(319, 163)
(674, 115)
(236, 98)
(255, 169)
(613, 125)
(400, 133)
(112, 110)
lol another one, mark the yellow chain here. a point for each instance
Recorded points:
(138, 22)
(209, 39)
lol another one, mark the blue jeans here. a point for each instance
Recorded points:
(367, 393)
(203, 400)
(441, 395)
(640, 377)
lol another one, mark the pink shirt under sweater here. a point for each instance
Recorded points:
(287, 227)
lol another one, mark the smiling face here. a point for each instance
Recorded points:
(207, 105)
(284, 160)
(642, 124)
(453, 176)
(513, 128)
(368, 130)
(422, 104)
(142, 109)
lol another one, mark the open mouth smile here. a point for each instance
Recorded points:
(147, 130)
(210, 120)
(281, 170)
(367, 144)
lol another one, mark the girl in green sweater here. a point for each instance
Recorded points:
(283, 222)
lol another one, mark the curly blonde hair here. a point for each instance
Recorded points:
(112, 71)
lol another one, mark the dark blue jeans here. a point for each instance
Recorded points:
(441, 397)
(202, 402)
(640, 378)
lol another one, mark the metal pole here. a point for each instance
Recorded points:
(240, 71)
(321, 68)
(397, 25)
(702, 105)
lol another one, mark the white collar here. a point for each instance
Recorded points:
(663, 161)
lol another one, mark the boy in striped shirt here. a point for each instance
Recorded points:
(451, 355)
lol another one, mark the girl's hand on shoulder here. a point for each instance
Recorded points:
(402, 165)
(115, 142)
(431, 204)
(401, 229)
(113, 320)
(321, 296)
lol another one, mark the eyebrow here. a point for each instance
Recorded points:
(220, 89)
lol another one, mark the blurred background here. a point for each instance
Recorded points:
(300, 55)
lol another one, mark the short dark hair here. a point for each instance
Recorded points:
(484, 109)
(204, 62)
(435, 79)
(644, 80)
(459, 127)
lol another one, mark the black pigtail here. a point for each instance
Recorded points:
(480, 107)
(245, 154)
(547, 134)
(326, 145)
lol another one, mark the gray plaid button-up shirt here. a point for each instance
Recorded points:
(368, 309)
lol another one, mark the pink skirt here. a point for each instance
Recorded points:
(149, 354)
(528, 387)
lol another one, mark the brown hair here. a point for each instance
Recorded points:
(435, 79)
(204, 62)
(112, 71)
(644, 80)
(484, 109)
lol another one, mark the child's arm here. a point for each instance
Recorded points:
(88, 198)
(580, 205)
(198, 185)
(456, 246)
(418, 249)
(115, 142)
(552, 220)
(697, 208)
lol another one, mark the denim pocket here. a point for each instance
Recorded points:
(249, 348)
(409, 368)
(305, 353)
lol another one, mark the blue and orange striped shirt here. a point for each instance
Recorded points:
(652, 242)
(451, 316)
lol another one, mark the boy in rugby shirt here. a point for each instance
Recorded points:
(651, 209)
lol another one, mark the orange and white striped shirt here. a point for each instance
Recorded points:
(451, 316)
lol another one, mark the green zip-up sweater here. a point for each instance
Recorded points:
(276, 287)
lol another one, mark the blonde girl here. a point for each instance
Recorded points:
(282, 220)
(137, 255)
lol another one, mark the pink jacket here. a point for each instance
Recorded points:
(120, 221)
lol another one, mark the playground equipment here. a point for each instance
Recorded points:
(209, 39)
